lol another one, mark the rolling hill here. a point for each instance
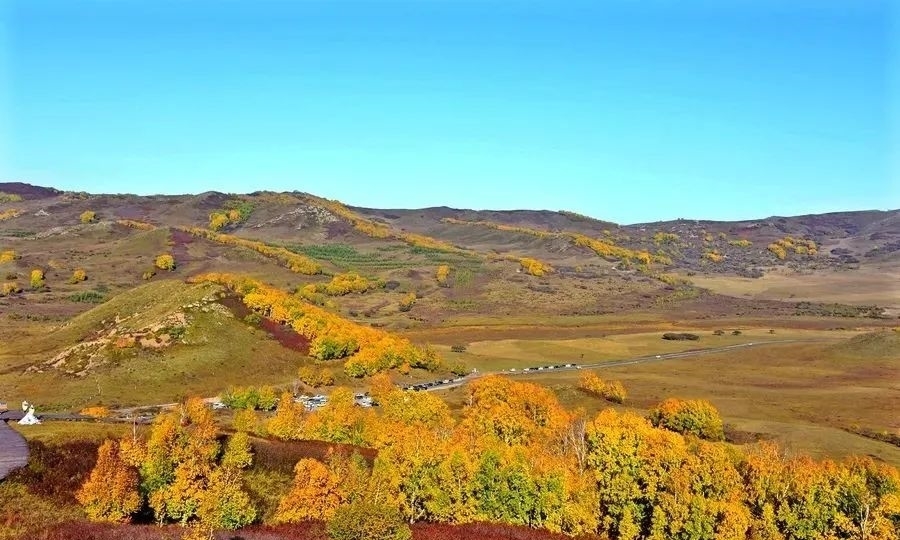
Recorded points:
(381, 269)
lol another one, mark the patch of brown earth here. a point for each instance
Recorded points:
(285, 335)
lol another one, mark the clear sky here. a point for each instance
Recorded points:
(624, 110)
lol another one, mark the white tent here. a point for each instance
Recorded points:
(29, 419)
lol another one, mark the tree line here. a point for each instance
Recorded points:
(513, 455)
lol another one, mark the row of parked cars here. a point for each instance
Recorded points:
(543, 368)
(432, 384)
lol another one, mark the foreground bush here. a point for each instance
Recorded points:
(364, 520)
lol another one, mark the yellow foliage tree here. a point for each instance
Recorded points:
(406, 303)
(293, 261)
(217, 221)
(442, 275)
(9, 214)
(165, 262)
(8, 256)
(535, 267)
(37, 278)
(311, 376)
(139, 225)
(88, 216)
(342, 284)
(777, 250)
(368, 350)
(111, 491)
(287, 424)
(10, 287)
(314, 495)
(78, 276)
(96, 411)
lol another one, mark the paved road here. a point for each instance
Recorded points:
(13, 450)
(521, 373)
(624, 362)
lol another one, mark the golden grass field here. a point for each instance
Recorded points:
(870, 286)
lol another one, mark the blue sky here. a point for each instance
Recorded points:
(624, 110)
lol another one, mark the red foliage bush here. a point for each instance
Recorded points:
(57, 471)
(283, 455)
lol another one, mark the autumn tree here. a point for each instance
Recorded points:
(183, 473)
(8, 255)
(406, 303)
(442, 275)
(245, 420)
(37, 278)
(165, 262)
(78, 276)
(238, 452)
(535, 267)
(315, 494)
(224, 503)
(287, 424)
(315, 377)
(111, 491)
(10, 287)
(88, 216)
(695, 416)
(95, 411)
(592, 384)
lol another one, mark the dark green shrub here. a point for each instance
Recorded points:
(87, 297)
(680, 336)
(458, 348)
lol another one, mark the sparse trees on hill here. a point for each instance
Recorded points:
(368, 350)
(138, 225)
(293, 261)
